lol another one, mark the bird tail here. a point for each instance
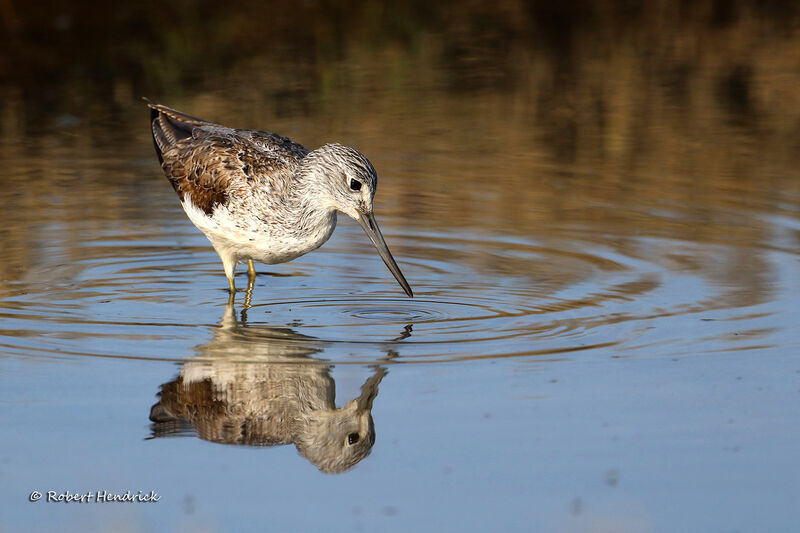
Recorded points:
(169, 126)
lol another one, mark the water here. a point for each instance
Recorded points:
(605, 267)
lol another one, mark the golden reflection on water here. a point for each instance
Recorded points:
(665, 134)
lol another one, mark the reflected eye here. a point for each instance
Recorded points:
(352, 438)
(355, 185)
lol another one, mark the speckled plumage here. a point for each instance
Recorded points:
(259, 195)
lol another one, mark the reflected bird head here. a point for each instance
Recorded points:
(334, 441)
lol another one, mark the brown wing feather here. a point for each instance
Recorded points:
(212, 163)
(202, 170)
(205, 407)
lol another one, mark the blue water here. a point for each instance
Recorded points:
(705, 443)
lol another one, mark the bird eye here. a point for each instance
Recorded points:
(352, 438)
(355, 185)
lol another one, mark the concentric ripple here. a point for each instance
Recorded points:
(477, 297)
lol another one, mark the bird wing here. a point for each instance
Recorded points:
(212, 163)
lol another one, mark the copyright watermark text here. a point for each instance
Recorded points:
(96, 496)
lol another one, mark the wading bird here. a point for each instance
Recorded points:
(260, 196)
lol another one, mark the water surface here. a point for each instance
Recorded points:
(601, 232)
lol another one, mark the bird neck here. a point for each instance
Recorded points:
(309, 200)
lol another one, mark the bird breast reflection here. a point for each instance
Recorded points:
(260, 386)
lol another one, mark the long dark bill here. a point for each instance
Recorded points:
(367, 221)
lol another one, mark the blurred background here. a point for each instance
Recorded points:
(513, 114)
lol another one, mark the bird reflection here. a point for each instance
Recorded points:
(260, 386)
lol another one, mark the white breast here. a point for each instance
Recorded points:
(244, 236)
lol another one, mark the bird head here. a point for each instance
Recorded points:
(347, 182)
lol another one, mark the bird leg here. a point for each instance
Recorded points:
(229, 264)
(251, 270)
